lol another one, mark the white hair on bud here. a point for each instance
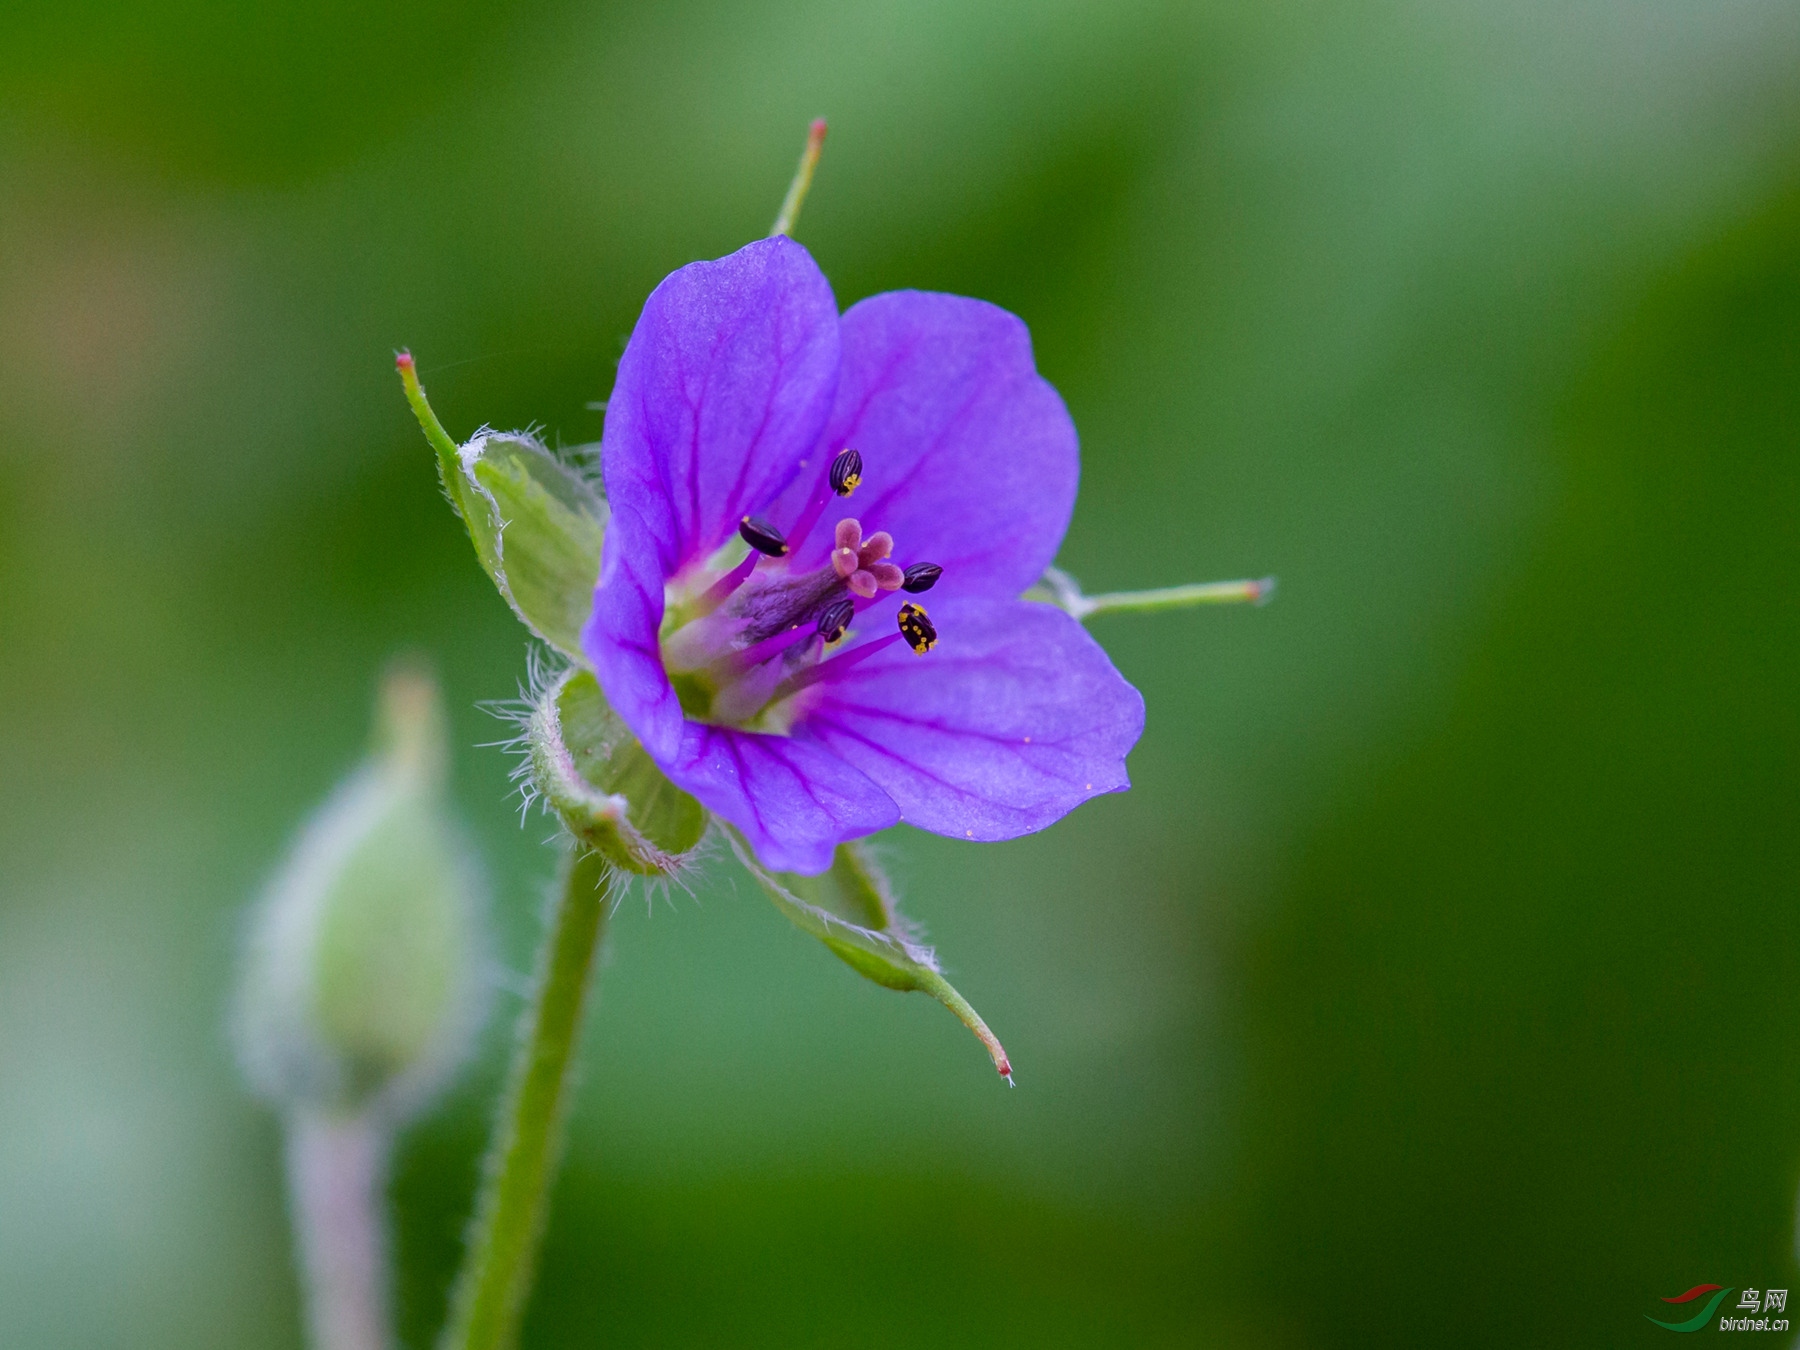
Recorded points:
(543, 668)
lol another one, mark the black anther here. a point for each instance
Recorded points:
(846, 472)
(918, 630)
(762, 536)
(835, 618)
(921, 577)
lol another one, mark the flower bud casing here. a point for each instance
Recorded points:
(363, 978)
(603, 785)
(537, 526)
(536, 522)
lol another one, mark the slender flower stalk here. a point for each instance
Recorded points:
(361, 989)
(337, 1171)
(803, 176)
(501, 1256)
(1061, 590)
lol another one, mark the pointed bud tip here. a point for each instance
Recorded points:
(403, 359)
(1007, 1073)
(816, 132)
(1264, 591)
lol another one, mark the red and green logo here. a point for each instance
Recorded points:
(1701, 1318)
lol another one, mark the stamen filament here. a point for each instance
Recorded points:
(845, 469)
(744, 697)
(814, 509)
(756, 654)
(864, 606)
(836, 666)
(720, 591)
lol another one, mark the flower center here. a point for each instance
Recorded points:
(744, 637)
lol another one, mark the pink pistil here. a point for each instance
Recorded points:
(862, 562)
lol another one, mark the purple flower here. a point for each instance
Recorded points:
(786, 485)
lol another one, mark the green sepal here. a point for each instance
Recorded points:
(850, 908)
(537, 528)
(601, 783)
(537, 524)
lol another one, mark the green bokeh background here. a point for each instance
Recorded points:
(1439, 980)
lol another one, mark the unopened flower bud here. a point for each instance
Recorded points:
(537, 523)
(363, 978)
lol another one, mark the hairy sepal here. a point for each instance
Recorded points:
(850, 908)
(592, 772)
(537, 526)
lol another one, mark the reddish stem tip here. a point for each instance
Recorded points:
(1006, 1073)
(403, 359)
(816, 132)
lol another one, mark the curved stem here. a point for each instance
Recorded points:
(499, 1262)
(441, 443)
(337, 1167)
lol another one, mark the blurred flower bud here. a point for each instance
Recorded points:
(363, 979)
(536, 523)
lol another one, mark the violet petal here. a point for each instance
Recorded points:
(1017, 717)
(794, 801)
(722, 391)
(969, 456)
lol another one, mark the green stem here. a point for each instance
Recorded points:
(1180, 597)
(803, 176)
(499, 1263)
(1060, 589)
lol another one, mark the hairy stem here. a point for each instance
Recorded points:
(337, 1170)
(523, 1154)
